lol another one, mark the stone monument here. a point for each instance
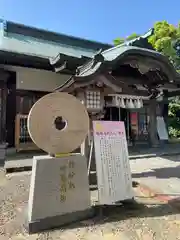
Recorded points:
(59, 190)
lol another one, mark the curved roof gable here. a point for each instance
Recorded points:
(150, 59)
(144, 60)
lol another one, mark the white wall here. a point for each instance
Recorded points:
(37, 80)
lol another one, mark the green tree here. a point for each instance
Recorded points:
(132, 36)
(174, 117)
(119, 41)
(164, 39)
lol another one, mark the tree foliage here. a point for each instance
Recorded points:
(119, 41)
(174, 117)
(166, 39)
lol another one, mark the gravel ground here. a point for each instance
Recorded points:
(145, 220)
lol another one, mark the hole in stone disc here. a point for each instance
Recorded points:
(60, 123)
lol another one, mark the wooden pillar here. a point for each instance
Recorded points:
(165, 106)
(3, 116)
(153, 137)
(3, 95)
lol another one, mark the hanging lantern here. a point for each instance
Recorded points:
(94, 101)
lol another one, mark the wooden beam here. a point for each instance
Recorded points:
(4, 75)
(138, 81)
(173, 93)
(118, 84)
(129, 80)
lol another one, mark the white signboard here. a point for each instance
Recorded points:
(161, 129)
(112, 162)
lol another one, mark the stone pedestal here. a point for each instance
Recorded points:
(59, 192)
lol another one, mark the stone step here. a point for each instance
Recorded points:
(18, 165)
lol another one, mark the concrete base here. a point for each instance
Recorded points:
(59, 192)
(58, 221)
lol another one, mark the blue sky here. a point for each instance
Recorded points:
(100, 20)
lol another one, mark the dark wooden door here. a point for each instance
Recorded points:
(111, 114)
(11, 110)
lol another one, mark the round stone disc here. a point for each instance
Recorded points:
(58, 123)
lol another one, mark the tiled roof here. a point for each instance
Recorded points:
(14, 38)
(154, 64)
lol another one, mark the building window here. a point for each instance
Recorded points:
(25, 100)
(93, 100)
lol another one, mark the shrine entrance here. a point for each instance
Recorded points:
(136, 122)
(119, 114)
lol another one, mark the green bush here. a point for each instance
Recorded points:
(174, 117)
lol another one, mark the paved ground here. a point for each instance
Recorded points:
(145, 150)
(148, 219)
(161, 174)
(24, 159)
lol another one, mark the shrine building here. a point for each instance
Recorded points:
(130, 82)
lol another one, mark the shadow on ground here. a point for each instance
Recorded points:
(110, 214)
(173, 158)
(167, 172)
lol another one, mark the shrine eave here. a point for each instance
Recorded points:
(63, 63)
(134, 56)
(145, 60)
(67, 64)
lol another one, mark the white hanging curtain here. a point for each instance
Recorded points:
(130, 102)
